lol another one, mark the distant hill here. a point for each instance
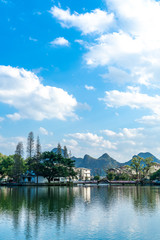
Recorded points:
(144, 155)
(97, 165)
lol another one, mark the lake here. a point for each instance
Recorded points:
(91, 212)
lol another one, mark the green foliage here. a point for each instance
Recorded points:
(18, 167)
(6, 165)
(97, 177)
(137, 165)
(123, 177)
(19, 163)
(53, 165)
(155, 175)
(141, 166)
(30, 145)
(148, 163)
(59, 149)
(111, 176)
(65, 152)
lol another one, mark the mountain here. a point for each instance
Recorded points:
(144, 155)
(97, 165)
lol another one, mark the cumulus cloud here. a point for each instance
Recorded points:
(97, 21)
(124, 133)
(128, 39)
(60, 41)
(90, 88)
(22, 90)
(135, 100)
(93, 140)
(115, 143)
(43, 131)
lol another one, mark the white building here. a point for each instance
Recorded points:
(83, 174)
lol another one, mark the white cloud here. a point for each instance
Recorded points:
(33, 39)
(90, 88)
(60, 41)
(120, 145)
(14, 117)
(80, 41)
(23, 90)
(110, 133)
(125, 133)
(97, 21)
(133, 99)
(43, 131)
(93, 140)
(128, 39)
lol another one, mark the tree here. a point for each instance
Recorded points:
(19, 166)
(48, 165)
(155, 175)
(148, 163)
(35, 161)
(30, 145)
(30, 150)
(19, 149)
(38, 148)
(110, 176)
(97, 177)
(65, 152)
(59, 149)
(55, 165)
(137, 165)
(6, 165)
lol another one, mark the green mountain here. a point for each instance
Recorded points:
(97, 165)
(144, 155)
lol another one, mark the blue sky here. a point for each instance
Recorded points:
(82, 73)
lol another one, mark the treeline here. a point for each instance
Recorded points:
(46, 164)
(138, 170)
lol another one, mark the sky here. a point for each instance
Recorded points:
(85, 74)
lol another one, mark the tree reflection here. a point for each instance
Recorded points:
(31, 208)
(144, 199)
(34, 204)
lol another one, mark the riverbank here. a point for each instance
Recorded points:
(36, 184)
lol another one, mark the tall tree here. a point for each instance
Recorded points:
(30, 145)
(65, 152)
(137, 165)
(18, 167)
(38, 148)
(148, 163)
(59, 149)
(19, 149)
(36, 159)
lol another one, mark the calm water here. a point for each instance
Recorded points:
(47, 213)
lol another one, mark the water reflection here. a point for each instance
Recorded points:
(31, 211)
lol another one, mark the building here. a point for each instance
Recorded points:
(83, 174)
(30, 177)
